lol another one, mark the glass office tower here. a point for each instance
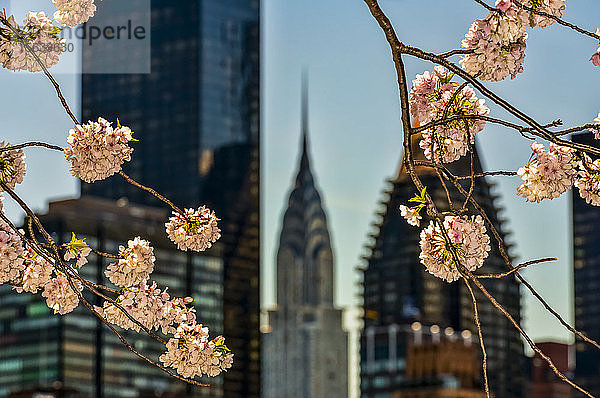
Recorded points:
(586, 262)
(196, 116)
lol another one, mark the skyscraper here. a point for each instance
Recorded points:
(196, 116)
(397, 291)
(586, 262)
(306, 351)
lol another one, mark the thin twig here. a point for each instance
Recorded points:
(515, 269)
(28, 144)
(480, 334)
(151, 191)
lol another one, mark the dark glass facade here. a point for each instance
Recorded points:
(397, 291)
(196, 116)
(586, 262)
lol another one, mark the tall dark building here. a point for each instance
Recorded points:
(196, 116)
(586, 261)
(306, 351)
(397, 291)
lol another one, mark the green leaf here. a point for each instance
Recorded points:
(75, 244)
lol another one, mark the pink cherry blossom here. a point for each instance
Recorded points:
(60, 296)
(430, 96)
(136, 265)
(41, 38)
(468, 238)
(37, 273)
(411, 215)
(196, 230)
(588, 180)
(498, 45)
(74, 12)
(149, 306)
(98, 150)
(192, 354)
(12, 166)
(551, 173)
(551, 7)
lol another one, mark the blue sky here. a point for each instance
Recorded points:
(355, 126)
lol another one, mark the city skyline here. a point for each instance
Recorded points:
(300, 34)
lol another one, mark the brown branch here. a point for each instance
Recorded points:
(480, 334)
(515, 269)
(448, 54)
(151, 191)
(29, 144)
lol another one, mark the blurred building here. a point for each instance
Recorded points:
(197, 118)
(305, 349)
(440, 364)
(55, 391)
(397, 290)
(586, 261)
(544, 382)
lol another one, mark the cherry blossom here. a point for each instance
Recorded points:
(434, 94)
(468, 238)
(98, 150)
(192, 354)
(12, 255)
(596, 130)
(136, 265)
(149, 306)
(60, 296)
(196, 230)
(551, 7)
(497, 53)
(12, 166)
(549, 175)
(41, 37)
(38, 273)
(596, 57)
(74, 12)
(411, 215)
(588, 180)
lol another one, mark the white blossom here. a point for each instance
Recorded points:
(136, 265)
(196, 230)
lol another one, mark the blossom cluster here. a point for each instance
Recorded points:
(191, 352)
(149, 306)
(596, 56)
(37, 41)
(12, 255)
(37, 274)
(433, 96)
(194, 230)
(98, 150)
(135, 266)
(470, 244)
(60, 296)
(588, 180)
(74, 12)
(12, 166)
(549, 174)
(497, 42)
(411, 215)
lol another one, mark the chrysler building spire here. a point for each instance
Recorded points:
(305, 353)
